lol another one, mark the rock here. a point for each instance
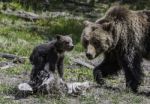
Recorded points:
(25, 87)
(23, 90)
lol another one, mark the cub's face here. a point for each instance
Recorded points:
(96, 39)
(65, 43)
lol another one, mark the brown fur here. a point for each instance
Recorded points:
(124, 37)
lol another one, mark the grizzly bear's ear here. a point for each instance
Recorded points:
(107, 26)
(58, 37)
(94, 27)
(86, 23)
(101, 21)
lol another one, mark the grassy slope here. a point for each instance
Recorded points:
(20, 41)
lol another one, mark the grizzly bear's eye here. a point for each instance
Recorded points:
(95, 43)
(93, 28)
(85, 43)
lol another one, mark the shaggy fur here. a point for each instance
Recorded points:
(50, 56)
(124, 38)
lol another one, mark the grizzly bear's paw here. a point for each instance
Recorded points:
(132, 86)
(98, 77)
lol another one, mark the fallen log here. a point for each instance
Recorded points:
(8, 56)
(30, 16)
(22, 14)
(51, 85)
(88, 63)
(6, 65)
(31, 27)
(79, 3)
(15, 58)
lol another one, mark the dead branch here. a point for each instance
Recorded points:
(30, 16)
(6, 65)
(15, 58)
(25, 26)
(21, 14)
(79, 3)
(83, 63)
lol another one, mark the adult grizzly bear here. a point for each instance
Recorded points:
(123, 36)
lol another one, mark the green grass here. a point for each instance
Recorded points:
(82, 74)
(19, 69)
(6, 89)
(63, 26)
(6, 100)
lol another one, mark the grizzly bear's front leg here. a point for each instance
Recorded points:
(109, 66)
(133, 72)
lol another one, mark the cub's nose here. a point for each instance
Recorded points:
(89, 56)
(72, 47)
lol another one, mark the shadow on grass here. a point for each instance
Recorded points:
(147, 94)
(118, 90)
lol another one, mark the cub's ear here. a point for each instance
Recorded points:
(58, 37)
(107, 26)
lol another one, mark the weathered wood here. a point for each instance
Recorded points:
(83, 63)
(8, 56)
(21, 14)
(13, 57)
(30, 16)
(6, 65)
(53, 86)
(90, 4)
(25, 26)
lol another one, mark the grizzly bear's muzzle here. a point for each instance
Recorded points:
(91, 52)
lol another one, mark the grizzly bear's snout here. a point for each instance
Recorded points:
(70, 48)
(90, 52)
(89, 56)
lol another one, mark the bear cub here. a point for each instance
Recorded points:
(49, 56)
